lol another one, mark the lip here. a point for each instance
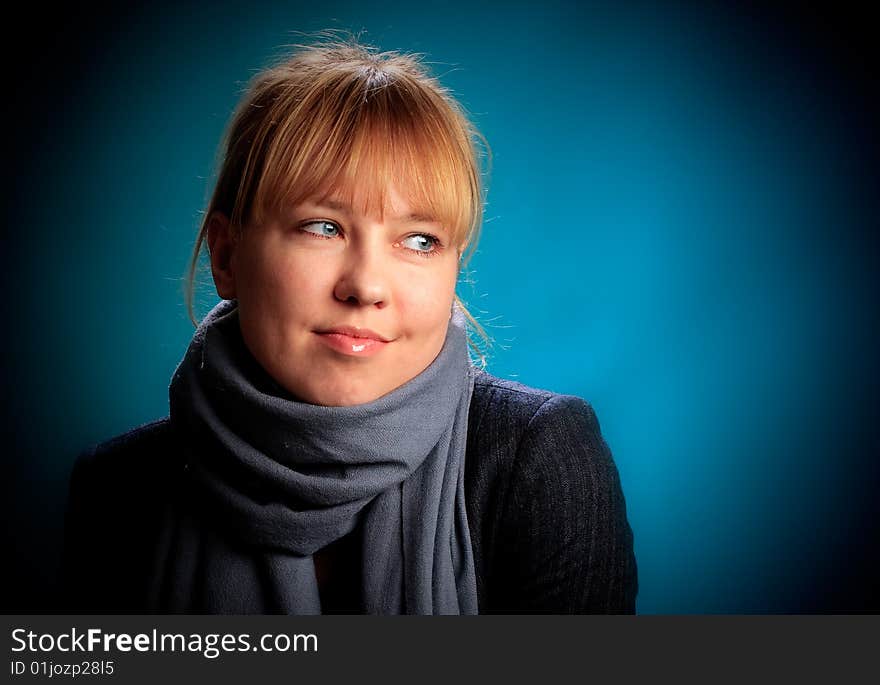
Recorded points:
(355, 332)
(353, 341)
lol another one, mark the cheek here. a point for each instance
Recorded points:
(283, 281)
(426, 303)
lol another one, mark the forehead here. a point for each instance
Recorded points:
(385, 204)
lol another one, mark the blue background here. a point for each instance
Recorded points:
(681, 228)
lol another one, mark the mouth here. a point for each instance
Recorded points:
(354, 332)
(352, 341)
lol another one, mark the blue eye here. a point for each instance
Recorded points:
(421, 242)
(323, 229)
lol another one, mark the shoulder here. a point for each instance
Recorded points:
(492, 393)
(529, 444)
(128, 476)
(504, 413)
(126, 466)
(117, 492)
(544, 497)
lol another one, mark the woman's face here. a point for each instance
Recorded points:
(338, 307)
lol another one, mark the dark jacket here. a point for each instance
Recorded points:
(545, 509)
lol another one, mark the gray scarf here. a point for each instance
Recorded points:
(273, 479)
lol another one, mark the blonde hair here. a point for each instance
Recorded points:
(337, 115)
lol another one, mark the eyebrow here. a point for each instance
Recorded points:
(417, 217)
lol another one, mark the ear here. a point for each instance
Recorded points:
(221, 247)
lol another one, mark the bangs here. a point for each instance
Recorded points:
(353, 139)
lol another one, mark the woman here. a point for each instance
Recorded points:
(330, 446)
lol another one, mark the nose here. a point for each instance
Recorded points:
(363, 280)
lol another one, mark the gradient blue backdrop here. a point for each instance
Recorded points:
(681, 228)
